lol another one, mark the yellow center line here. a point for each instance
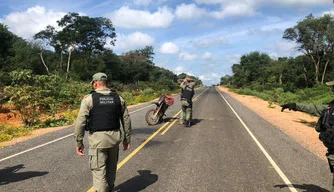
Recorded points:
(168, 127)
(146, 141)
(136, 150)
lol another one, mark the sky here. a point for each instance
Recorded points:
(203, 38)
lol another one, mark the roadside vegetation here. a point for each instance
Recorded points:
(286, 79)
(43, 81)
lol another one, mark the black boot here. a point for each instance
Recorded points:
(189, 123)
(186, 123)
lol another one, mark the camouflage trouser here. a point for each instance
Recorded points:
(186, 114)
(103, 164)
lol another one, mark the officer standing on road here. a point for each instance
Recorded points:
(101, 113)
(187, 94)
(325, 127)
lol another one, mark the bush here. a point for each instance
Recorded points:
(9, 132)
(148, 92)
(128, 97)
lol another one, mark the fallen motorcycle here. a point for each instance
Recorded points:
(153, 116)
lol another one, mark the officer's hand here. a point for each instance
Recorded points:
(290, 106)
(126, 146)
(80, 150)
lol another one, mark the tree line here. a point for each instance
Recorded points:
(314, 39)
(75, 49)
(52, 72)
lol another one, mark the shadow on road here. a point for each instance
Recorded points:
(11, 174)
(306, 187)
(137, 183)
(196, 121)
(169, 119)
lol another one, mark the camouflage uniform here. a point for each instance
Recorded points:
(186, 114)
(103, 145)
(318, 110)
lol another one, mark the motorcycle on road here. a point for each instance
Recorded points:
(154, 116)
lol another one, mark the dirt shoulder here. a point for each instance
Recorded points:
(297, 125)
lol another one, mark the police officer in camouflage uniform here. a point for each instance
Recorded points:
(101, 114)
(187, 94)
(318, 110)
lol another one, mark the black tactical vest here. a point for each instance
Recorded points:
(106, 112)
(187, 93)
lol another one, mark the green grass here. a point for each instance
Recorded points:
(7, 132)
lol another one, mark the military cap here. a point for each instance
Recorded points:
(330, 83)
(99, 77)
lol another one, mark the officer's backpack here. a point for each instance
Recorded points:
(325, 126)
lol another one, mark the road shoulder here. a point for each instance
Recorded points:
(293, 123)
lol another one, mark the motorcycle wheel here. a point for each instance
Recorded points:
(149, 117)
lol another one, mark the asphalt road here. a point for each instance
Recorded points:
(229, 148)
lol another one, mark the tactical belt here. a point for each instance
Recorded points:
(91, 131)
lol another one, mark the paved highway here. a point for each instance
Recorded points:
(229, 148)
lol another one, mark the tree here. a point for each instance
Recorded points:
(81, 33)
(315, 38)
(6, 40)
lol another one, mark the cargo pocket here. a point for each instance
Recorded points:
(93, 160)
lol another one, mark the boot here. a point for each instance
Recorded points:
(189, 123)
(186, 123)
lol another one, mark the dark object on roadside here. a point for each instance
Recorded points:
(153, 116)
(290, 106)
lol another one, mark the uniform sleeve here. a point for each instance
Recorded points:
(126, 121)
(79, 129)
(311, 108)
(183, 85)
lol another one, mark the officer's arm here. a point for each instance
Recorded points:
(183, 85)
(126, 121)
(311, 108)
(79, 129)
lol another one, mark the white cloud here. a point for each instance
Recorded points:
(189, 11)
(235, 10)
(132, 41)
(232, 59)
(181, 69)
(184, 56)
(28, 23)
(211, 77)
(143, 2)
(331, 12)
(130, 18)
(210, 41)
(207, 56)
(283, 47)
(271, 2)
(169, 48)
(147, 2)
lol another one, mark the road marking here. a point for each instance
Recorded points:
(35, 148)
(126, 159)
(134, 152)
(278, 170)
(168, 127)
(39, 146)
(141, 109)
(195, 99)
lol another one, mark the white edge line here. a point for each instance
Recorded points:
(39, 146)
(278, 170)
(35, 147)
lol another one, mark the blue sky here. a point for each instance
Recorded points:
(198, 37)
